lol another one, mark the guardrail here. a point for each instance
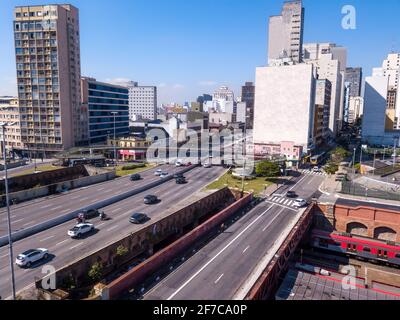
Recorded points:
(21, 234)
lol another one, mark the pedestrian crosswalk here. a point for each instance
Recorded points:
(282, 201)
(311, 172)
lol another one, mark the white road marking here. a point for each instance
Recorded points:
(62, 242)
(112, 228)
(46, 238)
(100, 189)
(4, 255)
(279, 205)
(15, 221)
(218, 254)
(282, 200)
(247, 248)
(56, 208)
(115, 210)
(76, 197)
(219, 278)
(46, 206)
(269, 224)
(101, 224)
(83, 199)
(285, 203)
(290, 203)
(31, 222)
(79, 244)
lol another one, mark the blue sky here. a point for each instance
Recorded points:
(190, 47)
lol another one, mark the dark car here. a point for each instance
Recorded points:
(150, 199)
(89, 214)
(138, 218)
(291, 194)
(135, 177)
(180, 180)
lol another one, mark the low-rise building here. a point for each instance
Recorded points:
(130, 147)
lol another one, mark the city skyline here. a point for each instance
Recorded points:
(185, 64)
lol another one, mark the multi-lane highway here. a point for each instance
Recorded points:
(220, 268)
(33, 212)
(64, 250)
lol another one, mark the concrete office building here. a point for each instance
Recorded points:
(101, 100)
(248, 95)
(223, 93)
(329, 67)
(285, 34)
(284, 105)
(323, 93)
(356, 109)
(142, 102)
(47, 52)
(242, 113)
(9, 113)
(354, 77)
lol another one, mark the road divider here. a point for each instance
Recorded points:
(24, 233)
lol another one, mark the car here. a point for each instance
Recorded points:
(89, 214)
(150, 199)
(316, 169)
(164, 175)
(291, 194)
(178, 164)
(80, 229)
(188, 164)
(138, 218)
(135, 177)
(27, 258)
(300, 203)
(158, 172)
(207, 165)
(180, 180)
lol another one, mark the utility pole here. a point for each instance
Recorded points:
(10, 243)
(114, 113)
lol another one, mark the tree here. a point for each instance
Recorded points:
(339, 154)
(96, 272)
(267, 169)
(122, 251)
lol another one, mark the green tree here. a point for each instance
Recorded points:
(267, 169)
(121, 251)
(96, 271)
(339, 154)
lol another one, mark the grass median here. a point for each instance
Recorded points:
(256, 185)
(120, 172)
(39, 168)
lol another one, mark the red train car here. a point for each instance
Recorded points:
(369, 249)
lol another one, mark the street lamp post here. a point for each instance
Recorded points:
(114, 113)
(354, 161)
(3, 125)
(361, 151)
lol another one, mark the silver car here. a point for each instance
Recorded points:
(27, 258)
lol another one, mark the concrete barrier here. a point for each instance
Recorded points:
(21, 234)
(138, 274)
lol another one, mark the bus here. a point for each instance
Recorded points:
(318, 159)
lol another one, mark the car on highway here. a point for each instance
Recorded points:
(135, 177)
(138, 218)
(188, 164)
(27, 258)
(300, 203)
(178, 164)
(207, 165)
(164, 175)
(180, 180)
(150, 199)
(80, 229)
(291, 194)
(158, 172)
(90, 214)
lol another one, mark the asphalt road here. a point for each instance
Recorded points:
(221, 267)
(64, 250)
(27, 214)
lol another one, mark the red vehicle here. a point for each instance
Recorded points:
(375, 250)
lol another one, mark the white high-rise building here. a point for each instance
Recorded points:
(224, 93)
(285, 35)
(284, 105)
(330, 61)
(142, 102)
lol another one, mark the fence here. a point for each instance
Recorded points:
(356, 189)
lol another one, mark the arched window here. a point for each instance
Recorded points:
(357, 228)
(385, 233)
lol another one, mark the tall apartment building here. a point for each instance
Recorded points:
(142, 102)
(224, 93)
(47, 52)
(354, 77)
(284, 106)
(248, 95)
(356, 109)
(285, 38)
(102, 100)
(323, 91)
(9, 113)
(330, 62)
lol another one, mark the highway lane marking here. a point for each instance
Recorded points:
(286, 202)
(79, 244)
(4, 255)
(15, 221)
(101, 224)
(62, 242)
(282, 200)
(247, 248)
(56, 208)
(75, 197)
(47, 238)
(46, 206)
(100, 189)
(115, 210)
(26, 224)
(83, 199)
(218, 254)
(279, 205)
(219, 278)
(298, 182)
(112, 228)
(269, 224)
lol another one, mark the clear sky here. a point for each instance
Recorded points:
(190, 47)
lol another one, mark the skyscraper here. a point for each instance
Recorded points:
(142, 101)
(47, 52)
(248, 94)
(354, 77)
(285, 40)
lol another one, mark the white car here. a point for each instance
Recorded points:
(163, 175)
(207, 165)
(178, 164)
(158, 172)
(28, 257)
(300, 203)
(80, 229)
